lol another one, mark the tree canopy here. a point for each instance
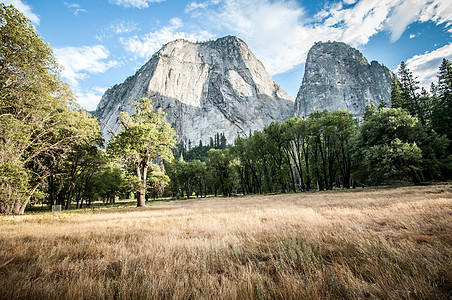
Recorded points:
(145, 136)
(39, 120)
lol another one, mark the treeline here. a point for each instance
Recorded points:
(199, 152)
(409, 142)
(51, 150)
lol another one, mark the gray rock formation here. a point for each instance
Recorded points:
(205, 88)
(338, 76)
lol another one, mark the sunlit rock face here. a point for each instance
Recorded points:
(338, 76)
(204, 88)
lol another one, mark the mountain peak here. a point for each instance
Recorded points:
(205, 88)
(338, 76)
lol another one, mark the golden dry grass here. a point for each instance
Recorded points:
(383, 243)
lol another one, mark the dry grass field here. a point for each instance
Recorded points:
(374, 243)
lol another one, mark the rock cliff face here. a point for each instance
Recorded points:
(205, 88)
(338, 76)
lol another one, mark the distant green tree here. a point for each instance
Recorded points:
(218, 164)
(409, 92)
(276, 146)
(157, 180)
(442, 107)
(386, 147)
(174, 169)
(145, 136)
(106, 185)
(298, 148)
(396, 93)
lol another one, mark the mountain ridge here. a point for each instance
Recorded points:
(205, 88)
(338, 76)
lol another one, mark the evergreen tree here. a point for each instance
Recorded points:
(396, 94)
(442, 108)
(222, 141)
(410, 97)
(445, 77)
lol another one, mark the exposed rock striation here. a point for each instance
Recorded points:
(204, 88)
(338, 76)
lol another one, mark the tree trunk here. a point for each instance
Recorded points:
(141, 175)
(51, 190)
(141, 198)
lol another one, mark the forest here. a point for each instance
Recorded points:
(52, 151)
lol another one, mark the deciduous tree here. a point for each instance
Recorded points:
(145, 136)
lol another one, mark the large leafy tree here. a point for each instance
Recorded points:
(39, 121)
(146, 136)
(386, 147)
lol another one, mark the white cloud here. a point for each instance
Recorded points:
(90, 99)
(402, 16)
(135, 3)
(25, 9)
(117, 28)
(439, 11)
(145, 46)
(196, 5)
(124, 27)
(426, 66)
(76, 7)
(79, 62)
(271, 28)
(280, 34)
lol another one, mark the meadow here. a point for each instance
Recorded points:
(393, 243)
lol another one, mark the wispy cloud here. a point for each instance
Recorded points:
(124, 27)
(145, 46)
(425, 66)
(89, 99)
(280, 33)
(79, 62)
(75, 7)
(117, 28)
(25, 9)
(135, 3)
(196, 5)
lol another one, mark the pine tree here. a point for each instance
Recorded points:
(396, 94)
(445, 78)
(410, 96)
(442, 108)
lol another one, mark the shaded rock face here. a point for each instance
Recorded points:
(204, 88)
(338, 76)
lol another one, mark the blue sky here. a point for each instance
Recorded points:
(100, 43)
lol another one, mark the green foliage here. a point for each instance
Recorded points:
(396, 93)
(187, 177)
(442, 109)
(39, 121)
(386, 149)
(219, 164)
(410, 98)
(108, 183)
(157, 181)
(200, 152)
(146, 136)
